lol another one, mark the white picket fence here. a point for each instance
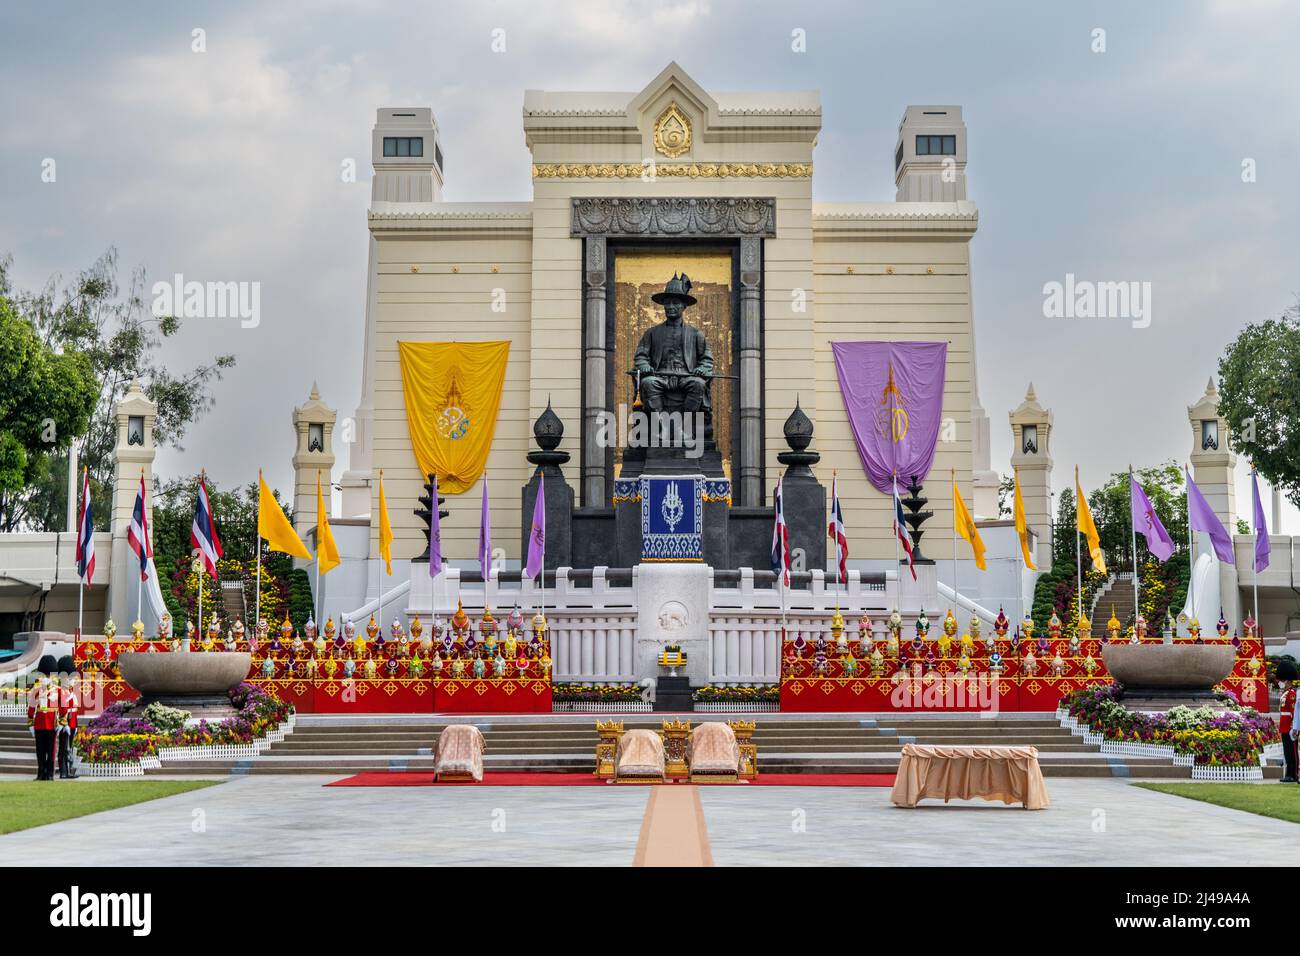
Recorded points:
(197, 752)
(601, 707)
(1214, 772)
(737, 707)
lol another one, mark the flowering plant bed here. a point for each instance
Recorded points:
(1209, 737)
(737, 693)
(592, 693)
(117, 736)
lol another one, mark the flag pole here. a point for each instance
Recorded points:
(778, 498)
(381, 586)
(839, 519)
(898, 560)
(202, 570)
(257, 603)
(955, 594)
(541, 490)
(1020, 561)
(316, 596)
(81, 578)
(1254, 564)
(1078, 548)
(144, 548)
(1137, 587)
(1191, 545)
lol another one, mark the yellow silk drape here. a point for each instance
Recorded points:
(453, 395)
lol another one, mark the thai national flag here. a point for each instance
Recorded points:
(137, 535)
(836, 532)
(900, 529)
(780, 538)
(203, 533)
(85, 533)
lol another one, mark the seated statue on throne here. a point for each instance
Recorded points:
(673, 362)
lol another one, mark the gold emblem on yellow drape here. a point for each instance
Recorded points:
(453, 395)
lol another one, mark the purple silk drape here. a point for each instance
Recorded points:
(893, 393)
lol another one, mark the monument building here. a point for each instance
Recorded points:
(632, 191)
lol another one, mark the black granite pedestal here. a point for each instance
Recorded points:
(673, 694)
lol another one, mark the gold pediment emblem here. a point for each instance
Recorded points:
(672, 132)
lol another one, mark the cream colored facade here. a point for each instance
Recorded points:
(833, 271)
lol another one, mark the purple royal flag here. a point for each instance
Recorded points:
(1201, 517)
(1148, 523)
(485, 536)
(1261, 527)
(435, 535)
(893, 393)
(537, 533)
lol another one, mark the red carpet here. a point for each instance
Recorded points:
(402, 778)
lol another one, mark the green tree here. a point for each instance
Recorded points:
(1063, 543)
(1112, 512)
(1259, 396)
(115, 329)
(235, 513)
(46, 401)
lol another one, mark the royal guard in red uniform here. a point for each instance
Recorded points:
(43, 717)
(1286, 675)
(69, 706)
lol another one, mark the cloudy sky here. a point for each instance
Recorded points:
(1120, 165)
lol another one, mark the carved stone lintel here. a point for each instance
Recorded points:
(674, 217)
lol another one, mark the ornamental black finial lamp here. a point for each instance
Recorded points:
(425, 514)
(915, 518)
(804, 497)
(798, 435)
(548, 431)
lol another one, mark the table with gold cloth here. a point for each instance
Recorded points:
(1009, 774)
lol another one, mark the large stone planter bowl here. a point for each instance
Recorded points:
(178, 674)
(1155, 676)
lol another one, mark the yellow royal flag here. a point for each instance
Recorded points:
(1087, 527)
(327, 552)
(385, 529)
(274, 526)
(1022, 526)
(965, 525)
(453, 395)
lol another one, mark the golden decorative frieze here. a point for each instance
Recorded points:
(673, 170)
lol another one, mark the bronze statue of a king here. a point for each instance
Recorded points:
(673, 361)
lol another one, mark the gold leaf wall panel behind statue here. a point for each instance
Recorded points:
(640, 274)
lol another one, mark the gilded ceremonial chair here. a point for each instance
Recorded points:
(639, 757)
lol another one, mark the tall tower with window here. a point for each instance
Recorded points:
(407, 156)
(930, 156)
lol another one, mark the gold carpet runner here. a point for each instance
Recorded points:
(673, 832)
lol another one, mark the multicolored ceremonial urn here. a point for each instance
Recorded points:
(1112, 627)
(1001, 625)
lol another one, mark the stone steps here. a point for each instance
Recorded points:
(341, 746)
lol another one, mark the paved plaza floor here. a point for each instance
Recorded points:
(296, 820)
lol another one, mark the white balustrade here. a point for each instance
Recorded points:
(593, 628)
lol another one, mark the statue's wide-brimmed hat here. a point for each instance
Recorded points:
(677, 289)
